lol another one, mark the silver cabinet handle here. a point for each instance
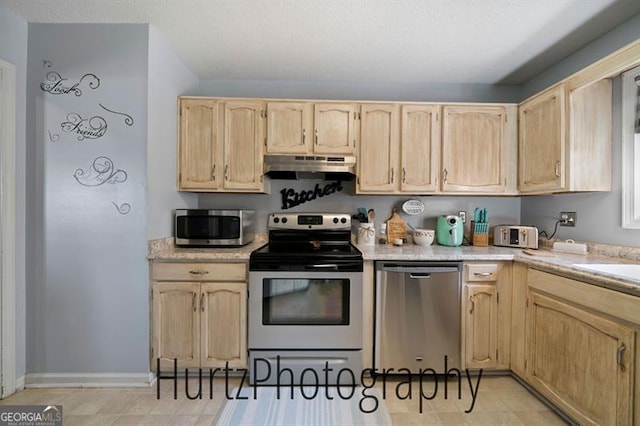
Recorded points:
(620, 356)
(557, 169)
(304, 136)
(192, 272)
(202, 302)
(316, 136)
(482, 274)
(473, 304)
(392, 173)
(444, 176)
(193, 302)
(213, 173)
(404, 175)
(226, 172)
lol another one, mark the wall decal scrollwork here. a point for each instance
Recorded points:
(55, 84)
(86, 128)
(123, 208)
(53, 137)
(128, 119)
(100, 171)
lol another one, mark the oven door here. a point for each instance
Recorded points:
(305, 310)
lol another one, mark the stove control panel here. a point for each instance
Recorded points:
(301, 221)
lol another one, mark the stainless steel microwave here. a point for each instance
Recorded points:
(214, 228)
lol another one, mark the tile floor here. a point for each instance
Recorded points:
(500, 400)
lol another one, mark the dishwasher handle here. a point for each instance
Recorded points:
(415, 270)
(419, 275)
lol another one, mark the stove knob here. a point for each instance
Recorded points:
(276, 219)
(284, 220)
(343, 220)
(335, 220)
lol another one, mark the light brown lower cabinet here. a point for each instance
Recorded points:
(518, 318)
(581, 348)
(486, 313)
(199, 315)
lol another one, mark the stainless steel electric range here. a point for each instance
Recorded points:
(305, 302)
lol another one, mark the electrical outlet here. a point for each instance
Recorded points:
(463, 216)
(567, 218)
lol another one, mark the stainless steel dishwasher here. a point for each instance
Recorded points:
(417, 315)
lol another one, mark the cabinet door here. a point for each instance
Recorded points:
(481, 326)
(334, 128)
(473, 149)
(288, 127)
(420, 148)
(200, 153)
(243, 136)
(590, 111)
(224, 324)
(580, 361)
(541, 153)
(519, 309)
(378, 159)
(176, 324)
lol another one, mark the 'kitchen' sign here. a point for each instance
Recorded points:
(291, 198)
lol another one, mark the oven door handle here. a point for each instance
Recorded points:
(332, 266)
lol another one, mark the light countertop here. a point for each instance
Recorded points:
(546, 260)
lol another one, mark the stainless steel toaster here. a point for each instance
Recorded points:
(515, 236)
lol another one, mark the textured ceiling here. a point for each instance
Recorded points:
(410, 41)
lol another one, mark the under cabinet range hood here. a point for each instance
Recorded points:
(309, 167)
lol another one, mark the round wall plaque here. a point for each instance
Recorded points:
(413, 207)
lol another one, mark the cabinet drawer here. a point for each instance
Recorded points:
(482, 272)
(199, 271)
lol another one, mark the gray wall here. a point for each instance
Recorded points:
(598, 49)
(168, 78)
(500, 209)
(599, 214)
(13, 49)
(378, 91)
(89, 305)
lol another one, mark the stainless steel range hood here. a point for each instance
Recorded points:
(309, 167)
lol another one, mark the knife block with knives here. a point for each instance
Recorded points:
(479, 229)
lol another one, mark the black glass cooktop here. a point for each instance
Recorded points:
(311, 249)
(306, 257)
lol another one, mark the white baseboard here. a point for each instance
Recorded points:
(20, 383)
(90, 380)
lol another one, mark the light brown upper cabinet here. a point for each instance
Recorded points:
(200, 154)
(565, 140)
(311, 128)
(379, 149)
(419, 148)
(288, 127)
(243, 135)
(542, 141)
(478, 149)
(399, 146)
(220, 146)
